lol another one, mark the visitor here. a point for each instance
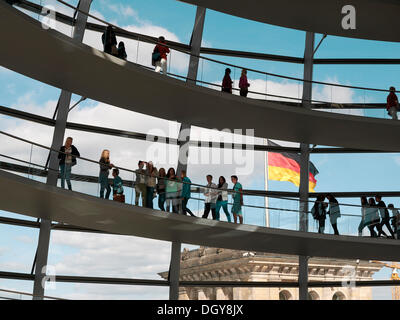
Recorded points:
(319, 212)
(151, 183)
(227, 81)
(110, 41)
(121, 51)
(364, 204)
(385, 217)
(392, 104)
(237, 200)
(334, 212)
(140, 184)
(185, 193)
(161, 188)
(118, 189)
(222, 200)
(171, 188)
(372, 217)
(395, 220)
(67, 157)
(160, 56)
(244, 84)
(105, 166)
(211, 198)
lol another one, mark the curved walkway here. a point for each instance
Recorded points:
(375, 19)
(39, 200)
(55, 59)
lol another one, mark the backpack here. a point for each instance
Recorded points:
(156, 56)
(314, 212)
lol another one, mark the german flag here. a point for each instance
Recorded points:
(285, 166)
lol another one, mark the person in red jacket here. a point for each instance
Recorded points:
(160, 56)
(227, 81)
(392, 105)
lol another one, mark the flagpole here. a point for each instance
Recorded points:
(266, 199)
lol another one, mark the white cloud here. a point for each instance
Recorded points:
(111, 256)
(397, 160)
(122, 10)
(25, 239)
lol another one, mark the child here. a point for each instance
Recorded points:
(118, 189)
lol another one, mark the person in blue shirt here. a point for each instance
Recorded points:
(237, 200)
(186, 183)
(118, 189)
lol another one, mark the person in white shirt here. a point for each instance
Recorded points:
(211, 198)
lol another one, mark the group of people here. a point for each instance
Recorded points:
(159, 61)
(173, 191)
(321, 209)
(110, 44)
(243, 83)
(374, 215)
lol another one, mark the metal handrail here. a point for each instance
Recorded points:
(231, 191)
(150, 39)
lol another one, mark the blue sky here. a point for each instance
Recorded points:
(337, 172)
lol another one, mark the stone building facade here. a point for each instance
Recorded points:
(212, 264)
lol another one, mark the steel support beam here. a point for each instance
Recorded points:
(58, 137)
(304, 163)
(184, 139)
